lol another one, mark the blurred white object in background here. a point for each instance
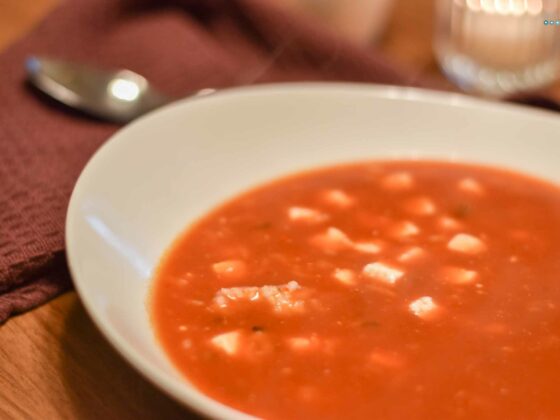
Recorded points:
(497, 47)
(361, 21)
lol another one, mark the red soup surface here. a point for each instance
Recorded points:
(392, 290)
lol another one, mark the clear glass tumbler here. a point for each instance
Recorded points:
(498, 47)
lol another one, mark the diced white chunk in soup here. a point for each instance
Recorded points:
(457, 275)
(345, 276)
(449, 223)
(306, 215)
(338, 198)
(368, 247)
(332, 240)
(424, 308)
(397, 181)
(420, 206)
(301, 343)
(312, 342)
(230, 269)
(411, 254)
(404, 229)
(227, 294)
(282, 298)
(227, 342)
(382, 272)
(465, 243)
(470, 185)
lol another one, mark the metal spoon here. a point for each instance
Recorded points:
(118, 96)
(122, 95)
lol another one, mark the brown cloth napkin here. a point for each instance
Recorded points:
(181, 45)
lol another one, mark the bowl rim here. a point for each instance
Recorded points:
(188, 395)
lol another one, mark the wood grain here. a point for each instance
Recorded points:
(54, 364)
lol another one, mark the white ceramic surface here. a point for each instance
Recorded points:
(157, 175)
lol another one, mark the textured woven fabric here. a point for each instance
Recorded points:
(181, 46)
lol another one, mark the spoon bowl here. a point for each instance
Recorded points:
(114, 95)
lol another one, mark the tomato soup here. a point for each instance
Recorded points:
(394, 290)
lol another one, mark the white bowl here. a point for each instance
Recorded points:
(157, 175)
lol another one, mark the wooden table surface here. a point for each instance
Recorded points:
(54, 364)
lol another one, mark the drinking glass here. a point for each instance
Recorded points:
(498, 47)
